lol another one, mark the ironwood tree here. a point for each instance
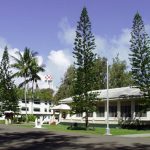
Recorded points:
(140, 56)
(84, 101)
(8, 94)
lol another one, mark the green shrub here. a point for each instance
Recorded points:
(31, 118)
(15, 120)
(22, 118)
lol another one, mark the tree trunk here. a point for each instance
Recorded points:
(25, 98)
(32, 97)
(86, 120)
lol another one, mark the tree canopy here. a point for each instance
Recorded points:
(119, 75)
(66, 88)
(84, 44)
(140, 55)
(8, 95)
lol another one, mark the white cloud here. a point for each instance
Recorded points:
(67, 33)
(120, 44)
(3, 43)
(57, 64)
(60, 59)
(101, 45)
(40, 60)
(110, 47)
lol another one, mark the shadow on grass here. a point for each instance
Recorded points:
(76, 126)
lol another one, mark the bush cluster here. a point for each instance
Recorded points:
(133, 124)
(31, 118)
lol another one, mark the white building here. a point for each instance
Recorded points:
(39, 108)
(124, 103)
(36, 107)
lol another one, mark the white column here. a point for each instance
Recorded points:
(148, 115)
(94, 116)
(60, 116)
(132, 109)
(118, 109)
(105, 115)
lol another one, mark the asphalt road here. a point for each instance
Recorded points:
(19, 138)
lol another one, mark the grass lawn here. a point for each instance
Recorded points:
(2, 121)
(96, 131)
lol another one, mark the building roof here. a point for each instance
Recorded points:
(61, 107)
(115, 93)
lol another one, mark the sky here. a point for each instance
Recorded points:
(48, 27)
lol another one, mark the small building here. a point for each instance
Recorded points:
(124, 103)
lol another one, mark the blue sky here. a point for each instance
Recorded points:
(48, 26)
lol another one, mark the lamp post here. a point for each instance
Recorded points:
(107, 119)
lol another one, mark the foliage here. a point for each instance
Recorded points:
(22, 118)
(40, 94)
(45, 94)
(140, 55)
(28, 68)
(8, 94)
(31, 118)
(66, 88)
(119, 76)
(84, 61)
(99, 73)
(133, 124)
(34, 69)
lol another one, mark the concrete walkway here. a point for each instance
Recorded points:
(19, 138)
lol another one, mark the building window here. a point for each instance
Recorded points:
(45, 109)
(100, 111)
(36, 109)
(50, 103)
(24, 109)
(79, 115)
(45, 102)
(27, 101)
(37, 102)
(113, 111)
(49, 110)
(126, 111)
(140, 111)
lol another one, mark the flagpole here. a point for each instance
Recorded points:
(107, 119)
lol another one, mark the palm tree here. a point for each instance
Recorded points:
(22, 64)
(35, 68)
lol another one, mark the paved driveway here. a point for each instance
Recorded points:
(18, 138)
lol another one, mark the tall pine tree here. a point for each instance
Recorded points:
(140, 55)
(84, 44)
(8, 94)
